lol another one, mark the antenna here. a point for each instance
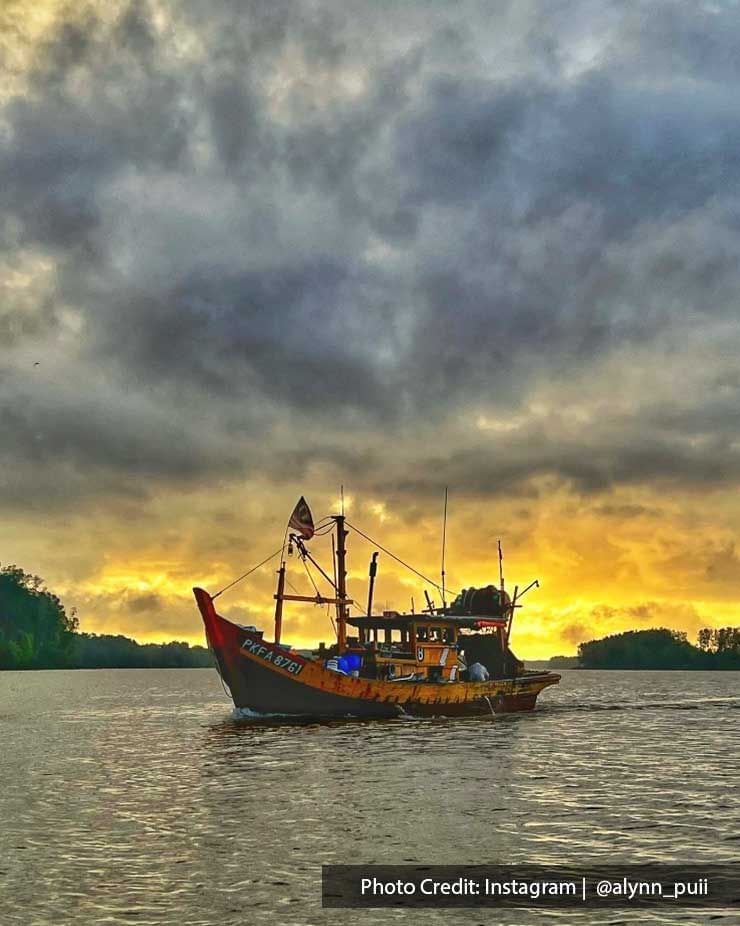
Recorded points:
(444, 542)
(341, 495)
(501, 569)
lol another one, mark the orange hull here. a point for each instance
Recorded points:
(269, 679)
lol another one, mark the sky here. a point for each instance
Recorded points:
(256, 250)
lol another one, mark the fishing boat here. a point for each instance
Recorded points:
(448, 660)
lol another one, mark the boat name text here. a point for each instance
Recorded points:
(279, 660)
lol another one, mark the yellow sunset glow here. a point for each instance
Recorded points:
(253, 254)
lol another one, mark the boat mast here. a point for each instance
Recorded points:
(340, 599)
(279, 598)
(444, 543)
(341, 584)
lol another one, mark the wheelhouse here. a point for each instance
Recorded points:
(427, 647)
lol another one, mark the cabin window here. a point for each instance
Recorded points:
(396, 636)
(434, 635)
(422, 634)
(448, 635)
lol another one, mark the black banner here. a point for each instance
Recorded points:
(605, 886)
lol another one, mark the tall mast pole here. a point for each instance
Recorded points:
(341, 585)
(279, 601)
(444, 542)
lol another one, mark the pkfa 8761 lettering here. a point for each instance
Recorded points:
(267, 654)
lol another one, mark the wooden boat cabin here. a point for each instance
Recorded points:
(435, 647)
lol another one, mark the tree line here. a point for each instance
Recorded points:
(37, 633)
(663, 649)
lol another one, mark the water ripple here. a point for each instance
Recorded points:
(135, 796)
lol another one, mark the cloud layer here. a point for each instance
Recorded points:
(250, 248)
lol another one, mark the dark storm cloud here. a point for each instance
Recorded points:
(145, 604)
(334, 225)
(95, 102)
(140, 438)
(592, 463)
(270, 333)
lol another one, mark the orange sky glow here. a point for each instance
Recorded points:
(248, 255)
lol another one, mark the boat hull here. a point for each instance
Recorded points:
(267, 679)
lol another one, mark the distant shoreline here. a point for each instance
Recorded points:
(36, 633)
(102, 668)
(531, 665)
(656, 649)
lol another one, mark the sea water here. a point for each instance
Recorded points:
(137, 796)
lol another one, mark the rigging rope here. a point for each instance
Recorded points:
(326, 530)
(249, 572)
(396, 558)
(308, 573)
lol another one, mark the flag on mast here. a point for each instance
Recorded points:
(301, 519)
